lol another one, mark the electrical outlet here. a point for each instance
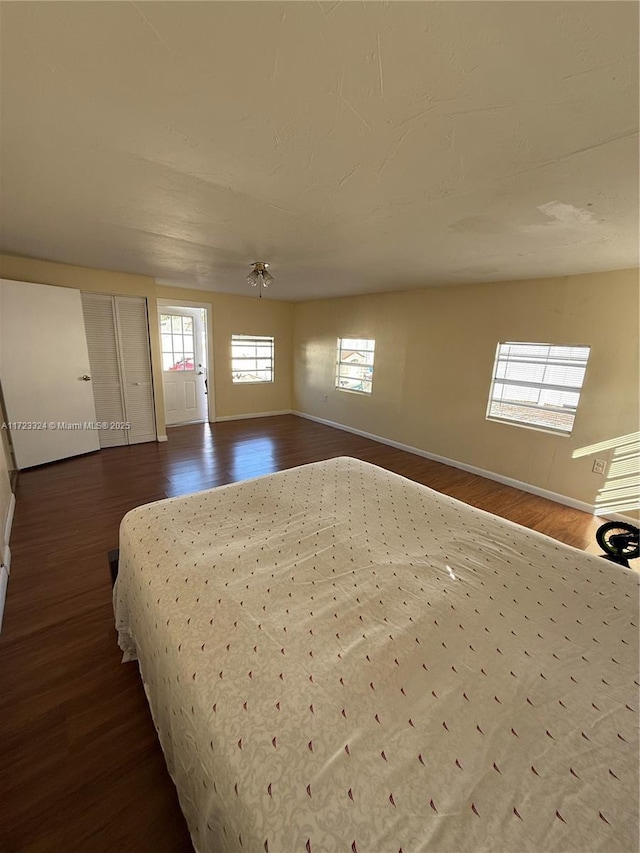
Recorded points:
(325, 398)
(599, 466)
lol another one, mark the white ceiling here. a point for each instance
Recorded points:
(358, 147)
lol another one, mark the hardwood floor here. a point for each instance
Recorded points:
(81, 768)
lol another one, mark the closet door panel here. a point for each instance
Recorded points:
(43, 353)
(105, 366)
(133, 338)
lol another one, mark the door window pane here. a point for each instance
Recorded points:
(177, 343)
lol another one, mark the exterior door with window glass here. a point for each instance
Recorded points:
(183, 365)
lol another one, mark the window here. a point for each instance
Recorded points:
(176, 332)
(537, 385)
(354, 368)
(252, 358)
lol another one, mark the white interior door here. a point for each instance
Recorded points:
(45, 372)
(184, 363)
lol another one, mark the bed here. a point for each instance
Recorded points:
(339, 659)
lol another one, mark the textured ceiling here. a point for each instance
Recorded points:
(358, 147)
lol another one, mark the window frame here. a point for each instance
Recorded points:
(256, 340)
(506, 358)
(164, 351)
(341, 363)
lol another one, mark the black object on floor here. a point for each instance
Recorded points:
(113, 556)
(619, 541)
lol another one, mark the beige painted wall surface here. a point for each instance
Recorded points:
(435, 350)
(230, 314)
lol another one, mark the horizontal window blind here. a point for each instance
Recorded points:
(537, 385)
(252, 358)
(354, 364)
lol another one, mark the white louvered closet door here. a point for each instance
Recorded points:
(133, 336)
(118, 341)
(99, 323)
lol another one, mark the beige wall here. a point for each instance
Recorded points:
(230, 314)
(435, 350)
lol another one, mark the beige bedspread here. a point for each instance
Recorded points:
(339, 659)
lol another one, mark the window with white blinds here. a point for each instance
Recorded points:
(537, 385)
(354, 364)
(252, 358)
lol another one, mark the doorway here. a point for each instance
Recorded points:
(184, 340)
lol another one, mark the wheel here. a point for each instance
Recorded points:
(619, 539)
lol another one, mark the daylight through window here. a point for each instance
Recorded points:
(252, 358)
(354, 368)
(176, 332)
(537, 385)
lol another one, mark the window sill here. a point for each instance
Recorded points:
(548, 430)
(353, 391)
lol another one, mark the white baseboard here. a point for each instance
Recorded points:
(4, 580)
(9, 519)
(472, 469)
(162, 438)
(253, 415)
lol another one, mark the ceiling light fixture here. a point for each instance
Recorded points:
(259, 276)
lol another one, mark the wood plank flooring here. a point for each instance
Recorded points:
(80, 765)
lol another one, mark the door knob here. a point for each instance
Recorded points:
(86, 378)
(199, 373)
